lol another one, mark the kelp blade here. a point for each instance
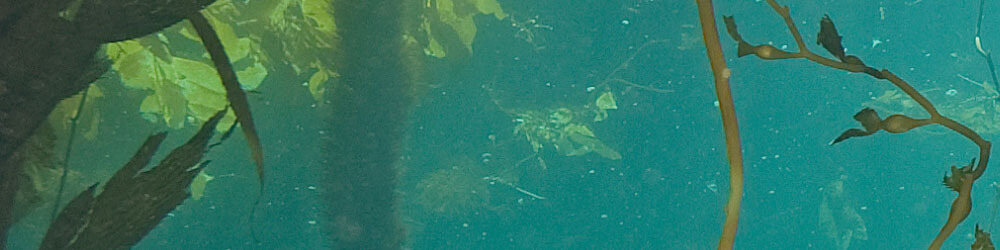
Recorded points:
(237, 98)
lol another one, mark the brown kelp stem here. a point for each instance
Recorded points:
(961, 180)
(729, 124)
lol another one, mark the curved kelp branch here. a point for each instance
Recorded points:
(729, 124)
(960, 181)
(131, 203)
(234, 93)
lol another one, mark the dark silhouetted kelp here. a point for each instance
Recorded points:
(234, 93)
(131, 203)
(45, 47)
(237, 100)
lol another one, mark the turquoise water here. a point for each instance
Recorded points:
(668, 188)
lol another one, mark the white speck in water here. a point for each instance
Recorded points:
(604, 216)
(716, 103)
(312, 222)
(465, 224)
(311, 187)
(951, 92)
(625, 22)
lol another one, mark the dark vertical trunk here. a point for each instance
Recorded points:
(370, 108)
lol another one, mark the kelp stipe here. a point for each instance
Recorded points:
(366, 121)
(960, 180)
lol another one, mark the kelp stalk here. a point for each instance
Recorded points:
(960, 181)
(368, 115)
(710, 33)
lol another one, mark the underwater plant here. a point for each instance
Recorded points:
(960, 179)
(455, 190)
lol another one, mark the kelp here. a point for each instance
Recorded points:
(297, 33)
(562, 130)
(62, 116)
(132, 203)
(181, 89)
(199, 183)
(730, 125)
(237, 98)
(960, 180)
(456, 189)
(452, 21)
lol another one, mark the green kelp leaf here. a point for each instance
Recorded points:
(168, 102)
(321, 13)
(595, 145)
(251, 77)
(581, 134)
(561, 116)
(199, 183)
(236, 48)
(61, 117)
(203, 89)
(316, 84)
(565, 147)
(458, 14)
(577, 128)
(433, 48)
(463, 25)
(133, 63)
(604, 102)
(490, 7)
